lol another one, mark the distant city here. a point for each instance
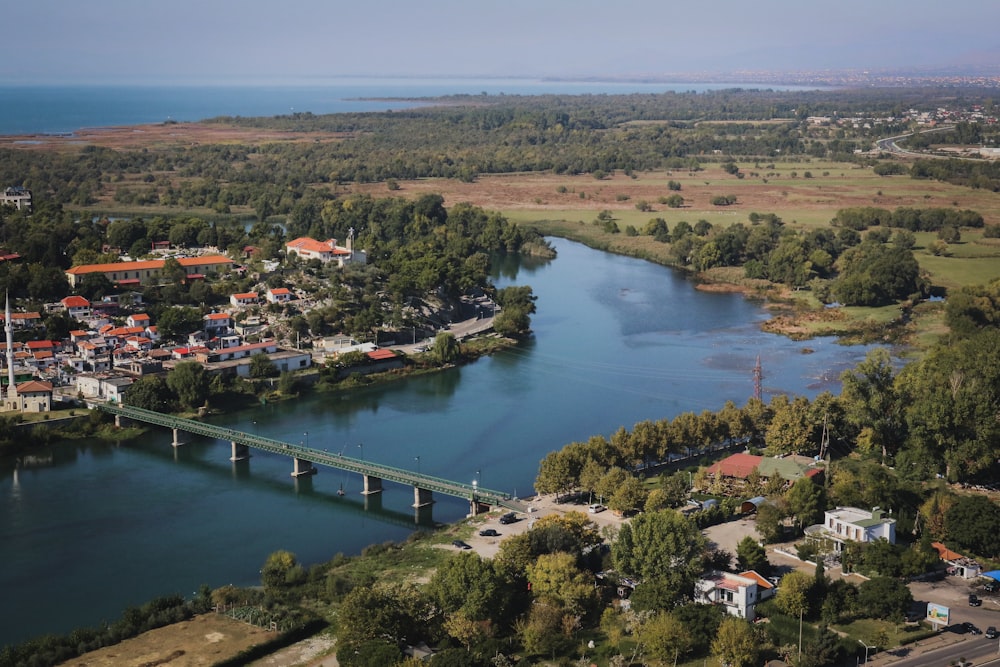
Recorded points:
(952, 77)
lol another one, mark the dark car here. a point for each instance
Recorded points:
(991, 586)
(991, 632)
(510, 517)
(974, 600)
(461, 545)
(972, 629)
(488, 532)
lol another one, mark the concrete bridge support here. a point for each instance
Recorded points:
(476, 508)
(118, 421)
(177, 441)
(372, 485)
(240, 452)
(302, 467)
(422, 497)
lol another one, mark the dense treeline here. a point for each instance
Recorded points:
(838, 264)
(467, 136)
(983, 174)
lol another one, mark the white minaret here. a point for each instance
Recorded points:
(9, 328)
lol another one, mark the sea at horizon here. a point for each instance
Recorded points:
(62, 109)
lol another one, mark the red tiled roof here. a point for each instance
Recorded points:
(40, 344)
(34, 386)
(150, 264)
(75, 302)
(945, 553)
(217, 316)
(737, 465)
(381, 353)
(280, 290)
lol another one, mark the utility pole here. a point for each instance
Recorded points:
(758, 378)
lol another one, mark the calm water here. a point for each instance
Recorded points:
(60, 109)
(90, 529)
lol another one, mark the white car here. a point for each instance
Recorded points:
(594, 509)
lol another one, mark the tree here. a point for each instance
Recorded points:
(751, 556)
(885, 597)
(261, 366)
(658, 542)
(736, 644)
(150, 393)
(663, 638)
(445, 349)
(871, 401)
(277, 569)
(793, 593)
(178, 321)
(806, 500)
(973, 523)
(556, 577)
(190, 383)
(468, 585)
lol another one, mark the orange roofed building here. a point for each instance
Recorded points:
(148, 271)
(325, 251)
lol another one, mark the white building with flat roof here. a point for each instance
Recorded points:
(845, 524)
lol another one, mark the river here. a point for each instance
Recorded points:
(91, 528)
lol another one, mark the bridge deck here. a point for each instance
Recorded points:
(316, 456)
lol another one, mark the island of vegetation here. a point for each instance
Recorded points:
(790, 197)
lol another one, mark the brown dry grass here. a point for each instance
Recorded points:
(202, 641)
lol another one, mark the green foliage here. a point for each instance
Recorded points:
(658, 542)
(973, 524)
(874, 274)
(189, 382)
(261, 366)
(885, 597)
(751, 556)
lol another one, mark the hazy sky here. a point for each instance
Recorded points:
(244, 40)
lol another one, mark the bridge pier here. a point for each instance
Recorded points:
(177, 442)
(476, 508)
(372, 485)
(422, 497)
(240, 452)
(118, 421)
(302, 467)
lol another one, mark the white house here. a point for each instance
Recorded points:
(326, 251)
(217, 323)
(279, 295)
(244, 299)
(845, 524)
(737, 593)
(76, 307)
(106, 387)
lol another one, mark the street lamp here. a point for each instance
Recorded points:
(361, 446)
(417, 459)
(307, 439)
(475, 484)
(867, 647)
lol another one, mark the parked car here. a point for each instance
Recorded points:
(509, 517)
(594, 509)
(991, 586)
(991, 632)
(488, 532)
(462, 545)
(972, 629)
(974, 600)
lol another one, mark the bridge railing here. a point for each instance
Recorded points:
(322, 457)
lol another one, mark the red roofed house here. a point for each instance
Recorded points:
(147, 272)
(737, 467)
(33, 396)
(138, 320)
(217, 323)
(76, 307)
(22, 320)
(244, 299)
(325, 251)
(737, 593)
(279, 295)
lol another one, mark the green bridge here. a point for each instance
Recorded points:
(304, 460)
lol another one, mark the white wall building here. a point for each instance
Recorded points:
(737, 593)
(857, 525)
